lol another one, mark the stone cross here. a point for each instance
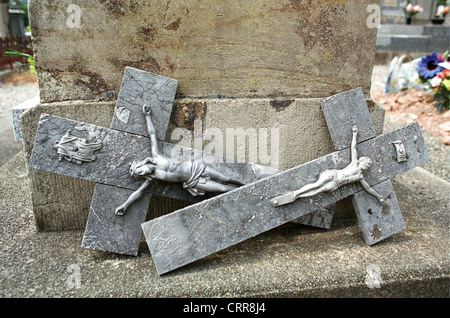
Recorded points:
(121, 145)
(376, 221)
(104, 230)
(204, 228)
(79, 155)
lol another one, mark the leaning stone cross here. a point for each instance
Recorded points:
(107, 156)
(212, 225)
(120, 202)
(377, 221)
(108, 163)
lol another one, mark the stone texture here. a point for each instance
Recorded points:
(199, 230)
(139, 88)
(105, 231)
(322, 218)
(378, 222)
(232, 49)
(343, 111)
(18, 110)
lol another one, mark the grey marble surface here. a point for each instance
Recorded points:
(344, 110)
(139, 88)
(378, 222)
(207, 227)
(106, 231)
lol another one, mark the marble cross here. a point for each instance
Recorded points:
(106, 161)
(377, 221)
(103, 156)
(212, 225)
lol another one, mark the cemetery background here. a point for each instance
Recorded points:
(31, 281)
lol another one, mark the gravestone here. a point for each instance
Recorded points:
(393, 11)
(241, 65)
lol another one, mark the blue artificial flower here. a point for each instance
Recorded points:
(428, 66)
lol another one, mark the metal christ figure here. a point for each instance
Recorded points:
(331, 180)
(196, 177)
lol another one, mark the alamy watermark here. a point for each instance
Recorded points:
(373, 20)
(373, 276)
(74, 19)
(260, 145)
(74, 279)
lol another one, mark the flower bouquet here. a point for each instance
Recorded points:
(413, 10)
(441, 89)
(442, 9)
(435, 70)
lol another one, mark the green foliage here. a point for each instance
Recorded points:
(441, 99)
(30, 58)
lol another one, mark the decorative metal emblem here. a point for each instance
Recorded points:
(76, 150)
(401, 151)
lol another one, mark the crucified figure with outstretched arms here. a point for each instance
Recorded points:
(331, 180)
(196, 177)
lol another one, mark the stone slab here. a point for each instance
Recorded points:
(105, 231)
(201, 229)
(18, 110)
(139, 88)
(289, 261)
(341, 112)
(119, 149)
(52, 194)
(232, 49)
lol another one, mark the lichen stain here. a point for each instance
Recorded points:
(186, 113)
(148, 64)
(119, 8)
(376, 231)
(385, 210)
(280, 105)
(148, 33)
(174, 25)
(319, 29)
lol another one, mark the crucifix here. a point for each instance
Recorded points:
(376, 220)
(212, 225)
(377, 208)
(129, 162)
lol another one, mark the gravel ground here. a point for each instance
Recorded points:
(438, 152)
(12, 95)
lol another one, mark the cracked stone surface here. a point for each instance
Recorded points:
(199, 230)
(341, 112)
